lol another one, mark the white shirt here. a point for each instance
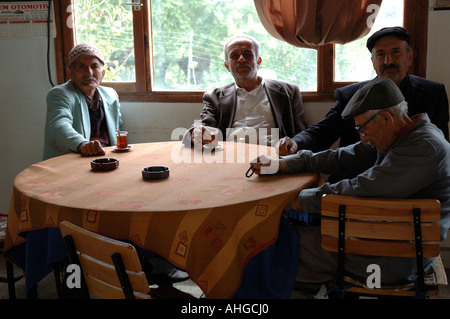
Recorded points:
(253, 119)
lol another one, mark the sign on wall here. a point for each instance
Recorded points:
(26, 19)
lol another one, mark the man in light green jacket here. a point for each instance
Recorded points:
(82, 116)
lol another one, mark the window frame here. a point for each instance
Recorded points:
(415, 21)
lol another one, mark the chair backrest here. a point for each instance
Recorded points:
(381, 227)
(95, 255)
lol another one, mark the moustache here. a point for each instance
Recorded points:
(243, 64)
(89, 78)
(390, 66)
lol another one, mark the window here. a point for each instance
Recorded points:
(188, 49)
(172, 51)
(108, 24)
(352, 60)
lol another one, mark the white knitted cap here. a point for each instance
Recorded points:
(85, 49)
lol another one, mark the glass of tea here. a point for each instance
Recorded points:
(122, 139)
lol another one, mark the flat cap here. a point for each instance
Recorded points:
(378, 94)
(398, 32)
(85, 49)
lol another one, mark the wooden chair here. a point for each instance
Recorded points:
(384, 227)
(110, 268)
(10, 278)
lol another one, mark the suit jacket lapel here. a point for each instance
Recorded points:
(413, 87)
(110, 121)
(227, 101)
(85, 119)
(276, 98)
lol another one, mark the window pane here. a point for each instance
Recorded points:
(352, 61)
(188, 39)
(109, 25)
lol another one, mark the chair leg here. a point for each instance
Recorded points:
(57, 268)
(11, 279)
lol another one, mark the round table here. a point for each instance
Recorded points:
(206, 217)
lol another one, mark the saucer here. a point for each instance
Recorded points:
(210, 147)
(129, 147)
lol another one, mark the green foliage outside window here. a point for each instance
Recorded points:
(188, 38)
(109, 25)
(202, 27)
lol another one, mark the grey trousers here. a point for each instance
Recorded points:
(317, 265)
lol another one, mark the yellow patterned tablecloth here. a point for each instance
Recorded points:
(206, 218)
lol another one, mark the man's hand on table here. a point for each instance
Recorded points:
(92, 148)
(204, 135)
(264, 165)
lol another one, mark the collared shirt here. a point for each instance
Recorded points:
(99, 130)
(253, 119)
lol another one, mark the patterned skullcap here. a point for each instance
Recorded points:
(85, 49)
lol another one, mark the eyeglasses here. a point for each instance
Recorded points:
(360, 128)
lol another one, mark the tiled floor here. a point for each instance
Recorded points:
(47, 287)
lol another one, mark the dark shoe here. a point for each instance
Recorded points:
(166, 275)
(177, 275)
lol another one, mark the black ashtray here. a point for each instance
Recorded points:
(155, 172)
(104, 164)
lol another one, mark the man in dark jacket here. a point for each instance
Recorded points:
(391, 57)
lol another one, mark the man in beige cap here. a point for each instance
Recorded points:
(412, 161)
(82, 116)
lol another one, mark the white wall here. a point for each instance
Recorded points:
(438, 58)
(24, 85)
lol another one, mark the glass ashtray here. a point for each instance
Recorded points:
(155, 172)
(104, 164)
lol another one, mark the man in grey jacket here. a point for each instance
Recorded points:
(82, 116)
(412, 161)
(250, 107)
